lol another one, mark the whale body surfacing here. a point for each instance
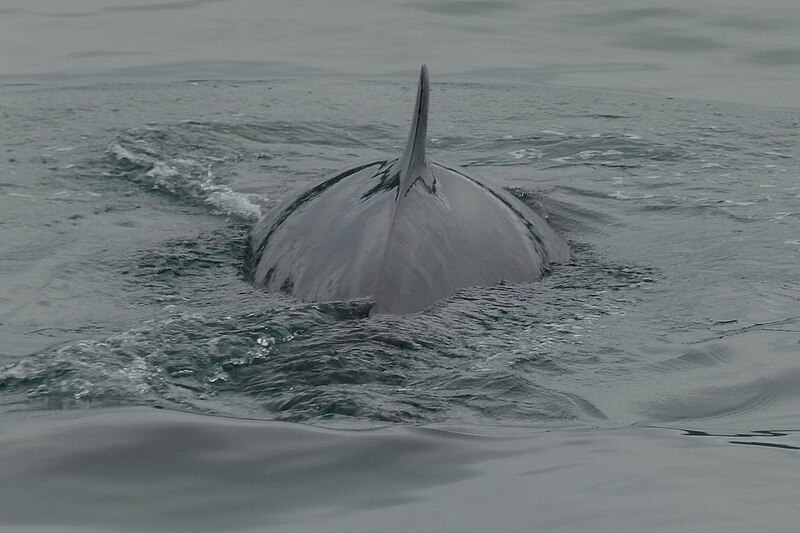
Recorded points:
(402, 233)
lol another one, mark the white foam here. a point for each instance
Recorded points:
(231, 203)
(526, 153)
(124, 154)
(619, 195)
(180, 177)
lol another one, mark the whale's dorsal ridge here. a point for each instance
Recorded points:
(413, 164)
(402, 233)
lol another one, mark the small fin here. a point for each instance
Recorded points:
(413, 163)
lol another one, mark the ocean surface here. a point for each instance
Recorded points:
(650, 384)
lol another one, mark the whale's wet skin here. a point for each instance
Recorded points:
(402, 233)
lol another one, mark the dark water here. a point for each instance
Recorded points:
(659, 369)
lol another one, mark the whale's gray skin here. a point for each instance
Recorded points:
(400, 232)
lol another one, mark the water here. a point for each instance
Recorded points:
(658, 366)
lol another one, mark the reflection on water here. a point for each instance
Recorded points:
(163, 471)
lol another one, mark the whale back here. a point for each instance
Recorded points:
(403, 233)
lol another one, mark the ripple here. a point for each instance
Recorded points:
(730, 400)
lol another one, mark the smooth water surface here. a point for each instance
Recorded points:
(730, 50)
(659, 369)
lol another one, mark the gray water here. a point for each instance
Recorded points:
(140, 141)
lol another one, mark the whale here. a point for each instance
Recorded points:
(400, 233)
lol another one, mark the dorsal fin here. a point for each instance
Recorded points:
(413, 163)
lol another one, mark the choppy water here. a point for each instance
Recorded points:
(126, 197)
(124, 284)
